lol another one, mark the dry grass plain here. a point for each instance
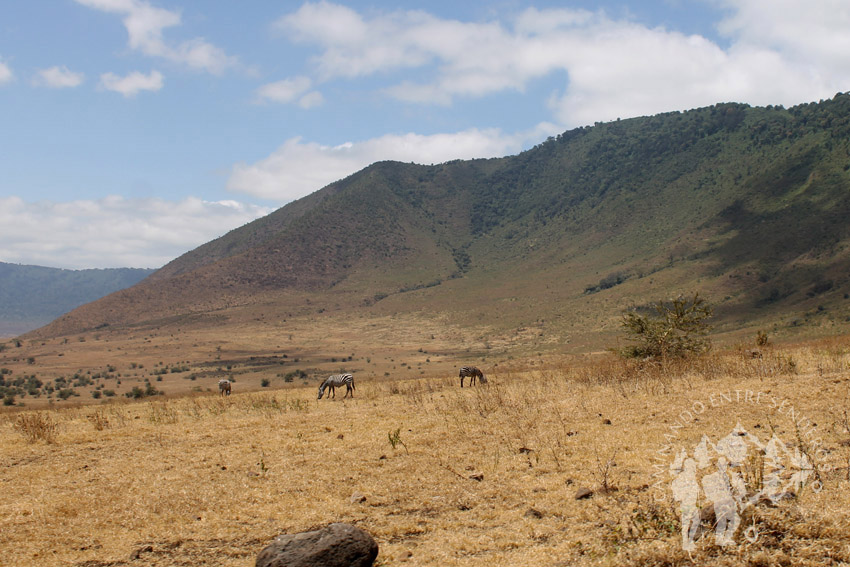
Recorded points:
(439, 475)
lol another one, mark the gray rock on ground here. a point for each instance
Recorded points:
(337, 545)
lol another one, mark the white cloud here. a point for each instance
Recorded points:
(311, 100)
(296, 89)
(781, 52)
(145, 24)
(6, 74)
(811, 35)
(133, 83)
(298, 168)
(58, 78)
(355, 47)
(113, 232)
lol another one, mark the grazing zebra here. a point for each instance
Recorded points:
(338, 380)
(473, 373)
(224, 387)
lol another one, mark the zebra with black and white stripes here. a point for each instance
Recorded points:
(472, 373)
(335, 381)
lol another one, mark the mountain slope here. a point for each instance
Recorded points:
(746, 204)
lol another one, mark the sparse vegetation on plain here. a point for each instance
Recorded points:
(490, 475)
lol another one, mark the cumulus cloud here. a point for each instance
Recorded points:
(113, 232)
(298, 168)
(294, 90)
(145, 24)
(132, 84)
(783, 51)
(809, 34)
(58, 78)
(6, 74)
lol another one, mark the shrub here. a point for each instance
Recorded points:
(264, 382)
(677, 329)
(138, 393)
(66, 393)
(135, 393)
(290, 376)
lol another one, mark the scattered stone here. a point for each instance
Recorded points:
(525, 450)
(357, 498)
(583, 493)
(477, 477)
(532, 513)
(606, 421)
(138, 553)
(337, 545)
(340, 436)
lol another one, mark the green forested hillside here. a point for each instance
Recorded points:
(747, 205)
(31, 296)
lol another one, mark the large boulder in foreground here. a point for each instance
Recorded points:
(337, 545)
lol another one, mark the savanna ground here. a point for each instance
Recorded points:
(437, 474)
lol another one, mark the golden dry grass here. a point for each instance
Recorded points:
(478, 476)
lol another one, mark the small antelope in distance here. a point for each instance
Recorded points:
(338, 380)
(472, 372)
(224, 387)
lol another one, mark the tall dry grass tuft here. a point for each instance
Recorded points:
(99, 419)
(36, 426)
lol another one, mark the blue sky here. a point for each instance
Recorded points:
(136, 130)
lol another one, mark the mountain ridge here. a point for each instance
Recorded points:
(32, 296)
(743, 203)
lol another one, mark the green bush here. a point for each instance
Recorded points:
(676, 329)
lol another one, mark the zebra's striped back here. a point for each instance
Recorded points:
(339, 380)
(472, 373)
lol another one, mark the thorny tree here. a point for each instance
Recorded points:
(676, 329)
